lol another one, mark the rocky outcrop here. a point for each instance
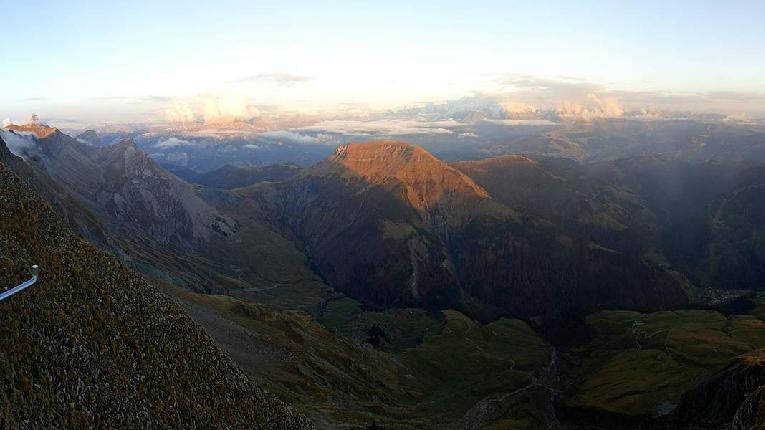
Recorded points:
(119, 199)
(731, 399)
(751, 414)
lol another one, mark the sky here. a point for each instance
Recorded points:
(140, 60)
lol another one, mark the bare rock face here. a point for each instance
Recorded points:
(732, 399)
(127, 191)
(119, 199)
(136, 190)
(751, 414)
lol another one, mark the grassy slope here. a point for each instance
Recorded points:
(640, 364)
(404, 328)
(466, 363)
(464, 373)
(93, 345)
(342, 383)
(339, 383)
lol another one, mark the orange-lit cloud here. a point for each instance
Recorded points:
(516, 107)
(213, 110)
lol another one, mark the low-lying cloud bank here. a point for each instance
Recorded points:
(289, 136)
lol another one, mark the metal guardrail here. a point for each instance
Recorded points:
(8, 293)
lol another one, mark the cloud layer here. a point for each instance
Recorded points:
(579, 98)
(390, 127)
(281, 79)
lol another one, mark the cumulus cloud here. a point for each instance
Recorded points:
(516, 107)
(571, 98)
(7, 122)
(594, 107)
(281, 79)
(213, 110)
(388, 127)
(607, 106)
(227, 109)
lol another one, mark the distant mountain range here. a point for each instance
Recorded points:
(392, 225)
(586, 223)
(461, 132)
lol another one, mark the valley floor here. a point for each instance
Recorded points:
(408, 368)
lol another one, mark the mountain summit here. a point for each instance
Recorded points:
(41, 131)
(427, 180)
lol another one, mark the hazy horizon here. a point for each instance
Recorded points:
(133, 63)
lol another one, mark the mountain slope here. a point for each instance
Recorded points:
(93, 345)
(710, 215)
(428, 183)
(391, 225)
(120, 199)
(560, 191)
(369, 218)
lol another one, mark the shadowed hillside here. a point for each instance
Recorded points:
(391, 225)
